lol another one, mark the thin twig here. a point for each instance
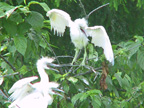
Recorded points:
(64, 56)
(88, 72)
(3, 95)
(96, 10)
(13, 68)
(10, 74)
(81, 5)
(51, 50)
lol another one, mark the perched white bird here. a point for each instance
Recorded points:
(37, 95)
(79, 32)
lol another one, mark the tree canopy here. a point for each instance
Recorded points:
(26, 36)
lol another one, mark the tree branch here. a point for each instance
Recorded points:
(13, 68)
(88, 72)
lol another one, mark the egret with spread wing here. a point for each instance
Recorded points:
(79, 32)
(37, 95)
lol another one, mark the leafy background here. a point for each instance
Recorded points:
(25, 36)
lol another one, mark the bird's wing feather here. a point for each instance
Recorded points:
(21, 88)
(59, 20)
(100, 38)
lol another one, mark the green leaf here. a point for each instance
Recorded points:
(72, 79)
(16, 18)
(35, 19)
(140, 58)
(84, 104)
(10, 27)
(133, 47)
(43, 5)
(5, 6)
(118, 77)
(23, 70)
(76, 97)
(65, 86)
(20, 44)
(2, 14)
(94, 92)
(96, 102)
(107, 102)
(23, 28)
(12, 49)
(84, 96)
(92, 53)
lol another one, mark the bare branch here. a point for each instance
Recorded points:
(13, 68)
(12, 74)
(88, 72)
(51, 50)
(82, 6)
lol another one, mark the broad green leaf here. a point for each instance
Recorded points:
(9, 12)
(2, 14)
(12, 49)
(35, 19)
(125, 83)
(5, 6)
(65, 86)
(72, 79)
(23, 70)
(23, 28)
(92, 52)
(107, 102)
(20, 44)
(94, 92)
(140, 58)
(43, 43)
(109, 82)
(133, 47)
(76, 97)
(16, 18)
(96, 102)
(139, 39)
(10, 27)
(119, 78)
(43, 5)
(84, 104)
(84, 96)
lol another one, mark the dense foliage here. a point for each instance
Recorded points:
(25, 36)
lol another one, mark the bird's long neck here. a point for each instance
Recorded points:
(44, 79)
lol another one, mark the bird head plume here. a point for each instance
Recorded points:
(44, 61)
(81, 22)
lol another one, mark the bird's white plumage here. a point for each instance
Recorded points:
(101, 39)
(79, 32)
(59, 20)
(37, 95)
(21, 88)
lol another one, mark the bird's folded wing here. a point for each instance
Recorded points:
(100, 38)
(21, 87)
(58, 20)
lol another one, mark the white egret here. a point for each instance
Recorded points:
(37, 95)
(79, 32)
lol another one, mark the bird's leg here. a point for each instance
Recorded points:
(85, 55)
(76, 54)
